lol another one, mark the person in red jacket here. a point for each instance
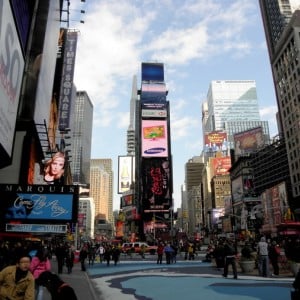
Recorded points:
(160, 252)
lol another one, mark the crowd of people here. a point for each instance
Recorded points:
(21, 264)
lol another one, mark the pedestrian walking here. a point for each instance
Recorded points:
(107, 255)
(115, 255)
(263, 257)
(230, 258)
(60, 253)
(274, 254)
(91, 255)
(160, 253)
(169, 252)
(39, 264)
(70, 259)
(16, 281)
(101, 251)
(82, 257)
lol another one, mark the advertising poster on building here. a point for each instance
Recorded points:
(54, 169)
(215, 141)
(154, 138)
(156, 184)
(248, 141)
(38, 203)
(220, 165)
(126, 173)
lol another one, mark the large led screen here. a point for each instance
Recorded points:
(153, 72)
(154, 138)
(156, 184)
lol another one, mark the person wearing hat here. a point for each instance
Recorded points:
(16, 281)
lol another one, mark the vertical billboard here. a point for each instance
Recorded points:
(154, 138)
(11, 72)
(65, 95)
(126, 168)
(248, 141)
(156, 184)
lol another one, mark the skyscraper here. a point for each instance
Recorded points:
(232, 106)
(81, 130)
(285, 68)
(276, 14)
(101, 187)
(131, 128)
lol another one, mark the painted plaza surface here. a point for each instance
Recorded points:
(147, 280)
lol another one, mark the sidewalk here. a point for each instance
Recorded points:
(79, 280)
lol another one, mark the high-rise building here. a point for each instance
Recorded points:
(81, 130)
(276, 14)
(131, 128)
(232, 106)
(101, 187)
(285, 67)
(284, 58)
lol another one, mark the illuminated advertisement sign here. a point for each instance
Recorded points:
(154, 138)
(153, 72)
(215, 141)
(126, 173)
(156, 184)
(220, 165)
(248, 141)
(65, 95)
(154, 87)
(37, 203)
(38, 228)
(154, 113)
(11, 72)
(127, 200)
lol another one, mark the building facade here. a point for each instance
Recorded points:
(82, 122)
(101, 188)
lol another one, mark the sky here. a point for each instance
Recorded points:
(197, 41)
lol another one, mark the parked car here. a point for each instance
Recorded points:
(136, 248)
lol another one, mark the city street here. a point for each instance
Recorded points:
(144, 279)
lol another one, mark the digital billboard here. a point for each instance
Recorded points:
(153, 72)
(156, 184)
(154, 138)
(11, 73)
(248, 141)
(28, 204)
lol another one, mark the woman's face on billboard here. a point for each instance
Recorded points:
(57, 165)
